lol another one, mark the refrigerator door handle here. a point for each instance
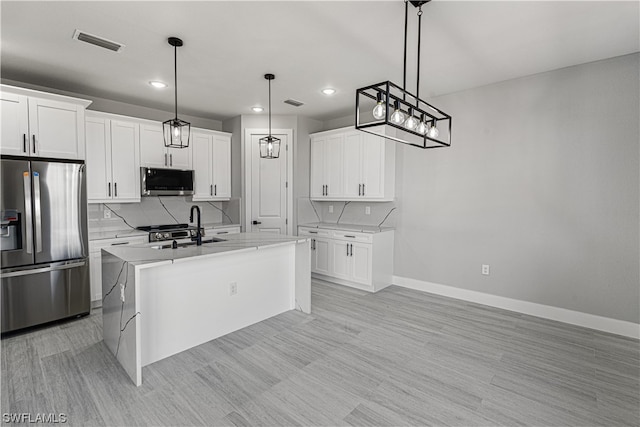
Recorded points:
(27, 211)
(43, 270)
(37, 211)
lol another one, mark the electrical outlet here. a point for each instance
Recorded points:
(367, 210)
(107, 214)
(330, 208)
(233, 288)
(485, 269)
(122, 292)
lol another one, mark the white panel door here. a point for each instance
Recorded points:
(125, 164)
(372, 154)
(202, 166)
(58, 129)
(221, 177)
(352, 162)
(14, 126)
(98, 151)
(339, 259)
(320, 256)
(268, 188)
(317, 181)
(152, 151)
(360, 258)
(333, 170)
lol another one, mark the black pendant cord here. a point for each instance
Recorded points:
(406, 18)
(419, 37)
(269, 108)
(175, 77)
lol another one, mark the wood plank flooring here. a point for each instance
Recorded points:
(395, 358)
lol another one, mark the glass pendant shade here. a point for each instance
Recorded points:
(269, 147)
(176, 132)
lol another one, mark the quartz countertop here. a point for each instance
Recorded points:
(347, 227)
(145, 255)
(115, 234)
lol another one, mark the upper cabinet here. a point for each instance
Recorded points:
(212, 165)
(154, 154)
(113, 159)
(39, 124)
(347, 164)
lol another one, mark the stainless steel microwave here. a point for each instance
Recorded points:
(166, 182)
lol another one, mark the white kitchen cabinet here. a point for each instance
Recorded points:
(154, 154)
(212, 165)
(95, 261)
(221, 231)
(113, 159)
(360, 260)
(39, 124)
(351, 165)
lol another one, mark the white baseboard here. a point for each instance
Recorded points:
(606, 324)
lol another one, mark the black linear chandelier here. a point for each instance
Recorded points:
(388, 110)
(176, 131)
(269, 145)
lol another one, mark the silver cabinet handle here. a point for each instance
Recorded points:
(222, 232)
(170, 159)
(165, 159)
(313, 232)
(359, 189)
(120, 243)
(115, 189)
(363, 189)
(215, 189)
(348, 235)
(37, 211)
(347, 249)
(211, 190)
(27, 211)
(43, 270)
(351, 245)
(34, 143)
(109, 186)
(24, 142)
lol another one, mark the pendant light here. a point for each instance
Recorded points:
(269, 145)
(390, 111)
(176, 131)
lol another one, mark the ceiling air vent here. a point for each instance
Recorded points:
(294, 102)
(97, 41)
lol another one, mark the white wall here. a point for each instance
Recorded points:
(541, 182)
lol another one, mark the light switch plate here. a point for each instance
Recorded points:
(330, 208)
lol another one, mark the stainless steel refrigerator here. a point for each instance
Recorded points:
(43, 242)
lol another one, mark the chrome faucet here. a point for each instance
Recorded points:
(198, 237)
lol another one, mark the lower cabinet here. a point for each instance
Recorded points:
(360, 260)
(95, 262)
(218, 231)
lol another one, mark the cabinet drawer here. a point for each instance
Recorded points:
(97, 245)
(218, 231)
(351, 236)
(313, 232)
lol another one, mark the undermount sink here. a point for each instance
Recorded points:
(187, 244)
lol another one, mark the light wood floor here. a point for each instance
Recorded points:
(398, 357)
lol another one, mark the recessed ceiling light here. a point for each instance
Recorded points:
(328, 91)
(158, 84)
(257, 109)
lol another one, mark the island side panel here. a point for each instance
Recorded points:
(303, 276)
(190, 302)
(120, 320)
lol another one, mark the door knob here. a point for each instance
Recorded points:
(255, 222)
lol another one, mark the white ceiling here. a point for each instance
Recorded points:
(308, 45)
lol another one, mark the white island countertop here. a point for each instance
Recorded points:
(347, 227)
(145, 254)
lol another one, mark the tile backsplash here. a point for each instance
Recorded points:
(380, 213)
(156, 210)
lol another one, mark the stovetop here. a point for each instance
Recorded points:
(162, 227)
(159, 233)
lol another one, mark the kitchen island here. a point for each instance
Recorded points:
(159, 301)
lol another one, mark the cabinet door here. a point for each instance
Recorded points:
(333, 166)
(202, 166)
(98, 150)
(352, 164)
(179, 158)
(361, 256)
(321, 256)
(58, 129)
(316, 183)
(125, 164)
(372, 173)
(152, 150)
(339, 260)
(14, 130)
(221, 167)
